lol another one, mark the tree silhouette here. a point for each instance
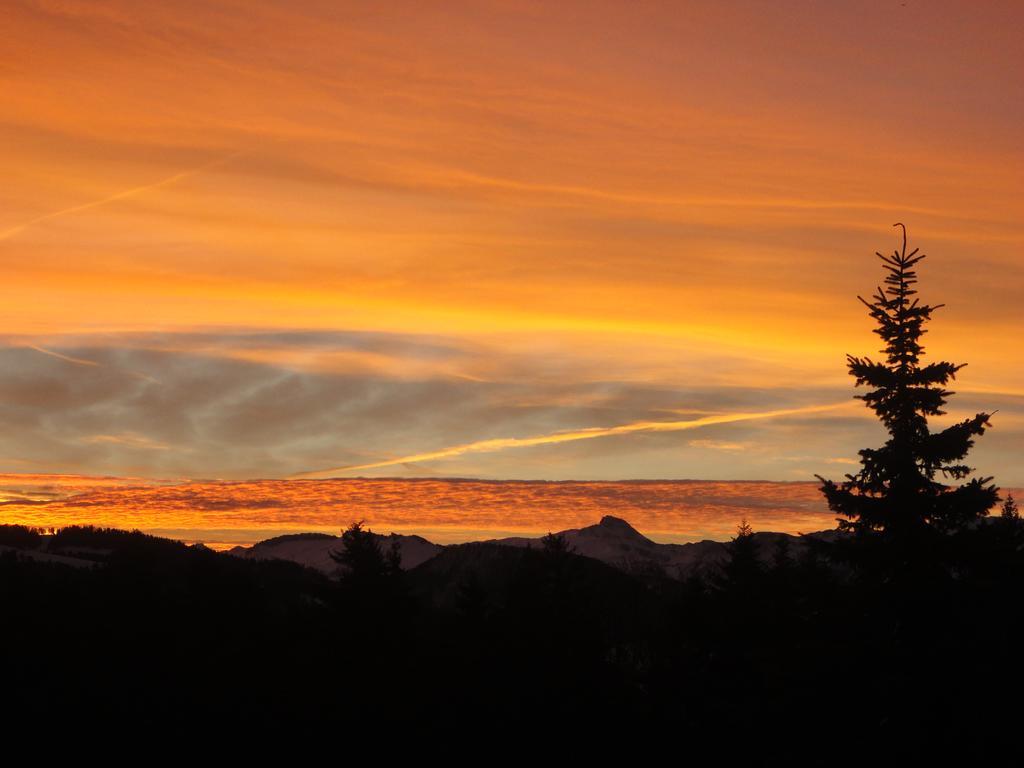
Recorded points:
(374, 603)
(556, 544)
(1009, 509)
(363, 559)
(1011, 525)
(897, 496)
(742, 568)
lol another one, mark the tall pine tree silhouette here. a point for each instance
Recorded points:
(898, 495)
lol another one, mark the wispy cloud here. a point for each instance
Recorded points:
(122, 195)
(127, 440)
(720, 445)
(65, 358)
(471, 179)
(582, 217)
(500, 444)
(86, 362)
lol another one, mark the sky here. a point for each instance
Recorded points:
(223, 514)
(509, 240)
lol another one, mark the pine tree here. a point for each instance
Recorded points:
(556, 544)
(1011, 525)
(362, 557)
(1009, 509)
(898, 496)
(742, 569)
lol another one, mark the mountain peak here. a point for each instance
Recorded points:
(619, 526)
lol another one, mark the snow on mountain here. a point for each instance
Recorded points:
(314, 549)
(613, 541)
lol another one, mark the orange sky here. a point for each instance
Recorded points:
(444, 510)
(251, 239)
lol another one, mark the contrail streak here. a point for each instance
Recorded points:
(8, 233)
(501, 443)
(712, 202)
(59, 356)
(83, 361)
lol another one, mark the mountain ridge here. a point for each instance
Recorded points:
(612, 540)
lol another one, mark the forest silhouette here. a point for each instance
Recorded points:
(894, 638)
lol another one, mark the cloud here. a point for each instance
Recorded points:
(498, 444)
(128, 440)
(122, 195)
(59, 356)
(83, 361)
(448, 227)
(442, 509)
(257, 403)
(720, 445)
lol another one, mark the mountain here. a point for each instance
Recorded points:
(616, 542)
(313, 550)
(613, 541)
(500, 575)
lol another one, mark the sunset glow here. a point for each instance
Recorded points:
(223, 514)
(244, 243)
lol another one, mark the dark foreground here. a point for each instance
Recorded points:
(766, 660)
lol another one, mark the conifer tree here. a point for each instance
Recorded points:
(1009, 510)
(362, 557)
(556, 544)
(898, 495)
(742, 569)
(1011, 525)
